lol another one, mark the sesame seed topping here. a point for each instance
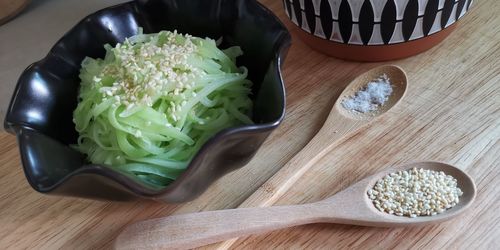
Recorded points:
(138, 134)
(150, 70)
(415, 192)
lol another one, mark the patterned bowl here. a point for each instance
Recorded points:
(374, 30)
(40, 111)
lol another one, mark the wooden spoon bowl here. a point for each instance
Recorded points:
(354, 200)
(398, 80)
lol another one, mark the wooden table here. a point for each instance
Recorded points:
(451, 113)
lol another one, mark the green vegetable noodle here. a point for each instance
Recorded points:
(151, 103)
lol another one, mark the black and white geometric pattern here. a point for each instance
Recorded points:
(374, 22)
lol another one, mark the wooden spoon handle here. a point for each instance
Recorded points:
(334, 129)
(198, 229)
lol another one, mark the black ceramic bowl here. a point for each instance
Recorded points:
(40, 112)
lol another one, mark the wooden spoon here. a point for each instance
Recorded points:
(339, 123)
(350, 206)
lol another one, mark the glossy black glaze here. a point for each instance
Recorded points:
(431, 10)
(366, 21)
(388, 21)
(410, 18)
(298, 12)
(345, 20)
(326, 18)
(310, 15)
(40, 112)
(447, 9)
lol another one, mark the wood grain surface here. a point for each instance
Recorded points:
(451, 113)
(10, 8)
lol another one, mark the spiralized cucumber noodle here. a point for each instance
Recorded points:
(155, 99)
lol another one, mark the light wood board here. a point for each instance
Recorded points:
(451, 113)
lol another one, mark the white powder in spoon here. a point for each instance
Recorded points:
(368, 99)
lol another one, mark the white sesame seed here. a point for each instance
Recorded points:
(415, 192)
(138, 134)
